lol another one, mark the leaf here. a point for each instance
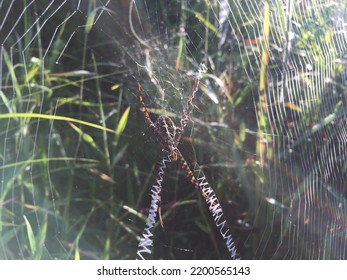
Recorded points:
(134, 212)
(43, 160)
(31, 236)
(180, 51)
(90, 21)
(282, 17)
(116, 86)
(7, 103)
(208, 24)
(123, 121)
(265, 55)
(12, 73)
(54, 117)
(77, 253)
(86, 137)
(102, 175)
(118, 156)
(242, 132)
(31, 74)
(292, 106)
(80, 234)
(75, 73)
(107, 249)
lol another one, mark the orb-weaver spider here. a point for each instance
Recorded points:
(169, 135)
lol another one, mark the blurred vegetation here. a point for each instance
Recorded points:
(78, 158)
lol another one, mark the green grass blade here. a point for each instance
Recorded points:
(33, 71)
(206, 22)
(86, 137)
(55, 118)
(31, 236)
(6, 102)
(44, 160)
(114, 87)
(11, 69)
(265, 55)
(107, 249)
(77, 253)
(280, 9)
(180, 52)
(123, 121)
(90, 21)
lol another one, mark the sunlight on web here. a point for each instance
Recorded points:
(28, 51)
(301, 143)
(268, 127)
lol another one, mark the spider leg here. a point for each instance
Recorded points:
(187, 111)
(151, 124)
(144, 110)
(189, 105)
(190, 175)
(184, 121)
(200, 183)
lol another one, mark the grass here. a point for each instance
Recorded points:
(78, 159)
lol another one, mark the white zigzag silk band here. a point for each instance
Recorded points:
(146, 241)
(216, 211)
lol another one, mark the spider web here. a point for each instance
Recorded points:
(268, 126)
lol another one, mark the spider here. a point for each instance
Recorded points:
(168, 135)
(165, 130)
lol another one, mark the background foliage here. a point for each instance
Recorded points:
(78, 158)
